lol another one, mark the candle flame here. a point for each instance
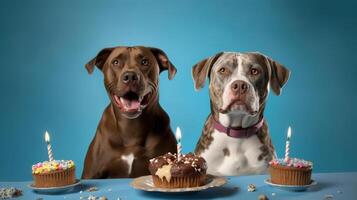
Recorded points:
(47, 137)
(178, 134)
(289, 133)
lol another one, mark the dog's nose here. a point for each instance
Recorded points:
(240, 87)
(129, 77)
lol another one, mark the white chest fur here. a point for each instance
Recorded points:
(129, 159)
(228, 156)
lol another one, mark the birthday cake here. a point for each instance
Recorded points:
(294, 171)
(170, 172)
(53, 173)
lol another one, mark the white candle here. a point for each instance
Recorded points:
(49, 148)
(178, 139)
(287, 147)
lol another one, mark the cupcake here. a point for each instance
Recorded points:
(293, 172)
(53, 173)
(169, 172)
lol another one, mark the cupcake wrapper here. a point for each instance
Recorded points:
(290, 175)
(55, 179)
(179, 182)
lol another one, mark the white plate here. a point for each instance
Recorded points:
(54, 189)
(145, 183)
(291, 187)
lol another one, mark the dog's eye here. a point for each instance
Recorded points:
(254, 71)
(222, 70)
(145, 62)
(116, 62)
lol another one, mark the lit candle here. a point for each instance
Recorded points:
(49, 148)
(178, 139)
(287, 147)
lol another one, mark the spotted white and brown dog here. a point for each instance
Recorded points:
(235, 139)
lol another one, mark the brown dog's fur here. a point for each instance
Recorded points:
(145, 136)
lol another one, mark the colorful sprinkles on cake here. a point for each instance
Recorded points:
(292, 162)
(51, 166)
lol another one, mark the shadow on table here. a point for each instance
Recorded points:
(76, 189)
(206, 194)
(321, 185)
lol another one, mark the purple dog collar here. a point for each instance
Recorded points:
(238, 132)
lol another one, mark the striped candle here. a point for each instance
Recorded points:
(287, 147)
(178, 139)
(49, 147)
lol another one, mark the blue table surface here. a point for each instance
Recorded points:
(340, 185)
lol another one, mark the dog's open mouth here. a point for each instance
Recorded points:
(131, 102)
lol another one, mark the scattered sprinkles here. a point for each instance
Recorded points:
(292, 162)
(251, 188)
(51, 166)
(171, 158)
(7, 193)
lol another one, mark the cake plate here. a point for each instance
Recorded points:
(145, 183)
(295, 188)
(49, 190)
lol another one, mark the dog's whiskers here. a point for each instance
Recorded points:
(110, 86)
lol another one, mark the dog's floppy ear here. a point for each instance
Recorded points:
(279, 75)
(164, 62)
(201, 70)
(99, 60)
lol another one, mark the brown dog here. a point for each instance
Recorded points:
(134, 128)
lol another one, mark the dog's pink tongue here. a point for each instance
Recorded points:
(134, 105)
(131, 104)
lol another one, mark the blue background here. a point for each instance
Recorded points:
(44, 85)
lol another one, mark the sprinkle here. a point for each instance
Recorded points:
(80, 192)
(110, 189)
(92, 189)
(339, 192)
(262, 197)
(91, 197)
(273, 194)
(251, 188)
(118, 198)
(328, 196)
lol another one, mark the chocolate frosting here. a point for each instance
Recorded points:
(189, 164)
